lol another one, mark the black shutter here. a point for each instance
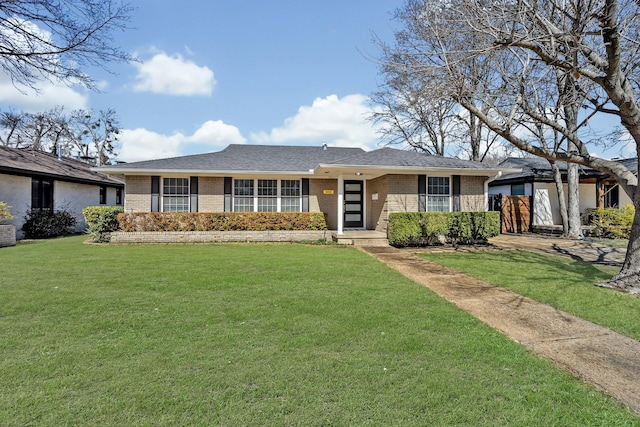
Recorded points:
(155, 194)
(228, 187)
(305, 194)
(422, 193)
(456, 192)
(193, 194)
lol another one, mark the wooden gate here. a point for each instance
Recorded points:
(516, 214)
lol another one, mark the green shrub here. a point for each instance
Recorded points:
(612, 223)
(5, 212)
(470, 228)
(426, 228)
(101, 221)
(221, 221)
(43, 224)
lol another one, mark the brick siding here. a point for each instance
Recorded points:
(7, 235)
(472, 193)
(219, 236)
(138, 193)
(327, 203)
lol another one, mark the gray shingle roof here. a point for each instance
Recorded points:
(28, 162)
(539, 168)
(279, 158)
(265, 158)
(394, 157)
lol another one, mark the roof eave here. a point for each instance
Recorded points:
(210, 172)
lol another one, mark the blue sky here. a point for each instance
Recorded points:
(220, 72)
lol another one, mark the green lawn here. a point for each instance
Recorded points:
(563, 283)
(245, 335)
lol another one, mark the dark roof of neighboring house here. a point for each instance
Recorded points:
(393, 157)
(539, 169)
(27, 162)
(279, 158)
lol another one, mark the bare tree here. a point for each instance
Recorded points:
(417, 109)
(96, 133)
(57, 40)
(93, 135)
(411, 117)
(10, 123)
(592, 44)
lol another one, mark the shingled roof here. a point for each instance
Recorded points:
(293, 159)
(392, 157)
(27, 162)
(236, 157)
(539, 169)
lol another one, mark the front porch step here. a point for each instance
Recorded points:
(361, 238)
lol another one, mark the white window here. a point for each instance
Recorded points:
(290, 195)
(267, 195)
(438, 194)
(243, 195)
(175, 195)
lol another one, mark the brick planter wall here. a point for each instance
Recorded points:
(218, 236)
(7, 235)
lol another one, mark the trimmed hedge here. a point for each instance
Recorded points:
(221, 221)
(101, 220)
(426, 228)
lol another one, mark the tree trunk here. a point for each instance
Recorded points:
(573, 201)
(557, 178)
(628, 279)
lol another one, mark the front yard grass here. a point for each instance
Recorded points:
(563, 283)
(237, 335)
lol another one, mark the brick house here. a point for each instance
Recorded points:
(31, 179)
(354, 188)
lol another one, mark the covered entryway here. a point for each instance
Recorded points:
(353, 204)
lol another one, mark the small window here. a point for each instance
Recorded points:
(41, 194)
(290, 195)
(438, 194)
(243, 195)
(267, 195)
(103, 195)
(611, 196)
(517, 190)
(118, 196)
(175, 195)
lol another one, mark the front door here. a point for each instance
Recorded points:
(353, 204)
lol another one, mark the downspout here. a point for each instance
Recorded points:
(340, 203)
(486, 189)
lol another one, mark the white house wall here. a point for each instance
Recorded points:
(587, 199)
(74, 197)
(16, 192)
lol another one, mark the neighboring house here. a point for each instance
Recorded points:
(596, 188)
(32, 179)
(354, 188)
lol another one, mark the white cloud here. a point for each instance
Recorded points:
(173, 75)
(338, 121)
(142, 144)
(47, 95)
(217, 133)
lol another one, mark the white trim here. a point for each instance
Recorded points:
(340, 204)
(162, 195)
(255, 196)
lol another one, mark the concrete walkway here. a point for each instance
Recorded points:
(607, 360)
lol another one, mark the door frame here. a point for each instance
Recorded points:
(354, 224)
